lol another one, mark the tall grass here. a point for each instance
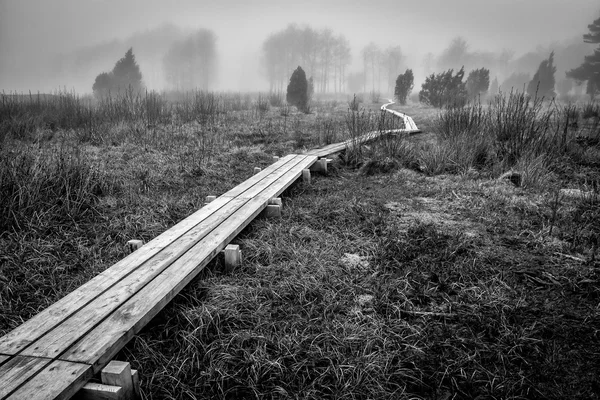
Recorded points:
(40, 188)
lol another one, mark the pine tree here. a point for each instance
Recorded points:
(542, 84)
(590, 69)
(478, 82)
(126, 73)
(444, 89)
(297, 89)
(404, 85)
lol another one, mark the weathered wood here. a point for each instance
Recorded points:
(210, 199)
(100, 345)
(283, 163)
(306, 176)
(271, 211)
(276, 201)
(17, 370)
(233, 256)
(135, 378)
(125, 301)
(256, 170)
(135, 244)
(31, 330)
(56, 380)
(118, 373)
(295, 165)
(61, 337)
(99, 391)
(320, 166)
(275, 158)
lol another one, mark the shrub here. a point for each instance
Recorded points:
(542, 84)
(404, 85)
(125, 75)
(297, 89)
(443, 89)
(478, 82)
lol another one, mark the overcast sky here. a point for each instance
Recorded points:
(33, 29)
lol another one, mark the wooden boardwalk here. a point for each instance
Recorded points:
(56, 352)
(410, 128)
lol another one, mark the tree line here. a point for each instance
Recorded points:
(325, 57)
(191, 63)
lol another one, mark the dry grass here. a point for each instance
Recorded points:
(409, 272)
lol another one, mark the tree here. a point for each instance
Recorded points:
(478, 82)
(191, 62)
(297, 90)
(103, 84)
(517, 82)
(443, 89)
(310, 89)
(393, 60)
(404, 85)
(125, 75)
(323, 55)
(494, 88)
(542, 84)
(590, 69)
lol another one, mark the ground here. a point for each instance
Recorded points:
(395, 284)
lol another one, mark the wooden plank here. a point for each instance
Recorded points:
(68, 332)
(269, 180)
(17, 370)
(106, 339)
(57, 380)
(283, 163)
(40, 324)
(99, 391)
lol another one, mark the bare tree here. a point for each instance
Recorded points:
(191, 62)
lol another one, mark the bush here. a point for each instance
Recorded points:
(478, 82)
(297, 90)
(125, 75)
(404, 85)
(444, 89)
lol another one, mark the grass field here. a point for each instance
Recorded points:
(411, 271)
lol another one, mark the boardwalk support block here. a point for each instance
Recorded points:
(256, 170)
(275, 159)
(320, 166)
(119, 381)
(233, 256)
(306, 176)
(133, 245)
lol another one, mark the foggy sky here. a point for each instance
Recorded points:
(33, 31)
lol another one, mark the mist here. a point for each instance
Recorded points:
(50, 45)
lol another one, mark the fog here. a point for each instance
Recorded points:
(46, 45)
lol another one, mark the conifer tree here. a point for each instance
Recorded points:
(297, 89)
(590, 69)
(542, 84)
